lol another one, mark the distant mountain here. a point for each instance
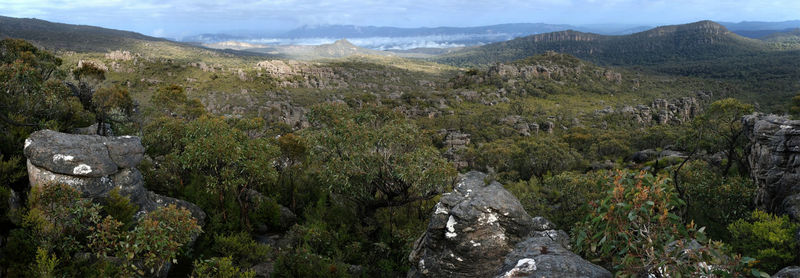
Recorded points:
(695, 41)
(788, 36)
(79, 38)
(338, 49)
(760, 29)
(394, 38)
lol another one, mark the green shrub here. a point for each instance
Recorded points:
(219, 267)
(716, 201)
(120, 208)
(45, 265)
(300, 262)
(768, 238)
(634, 232)
(245, 251)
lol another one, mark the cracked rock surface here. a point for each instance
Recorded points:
(480, 228)
(95, 165)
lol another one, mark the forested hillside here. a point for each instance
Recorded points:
(627, 156)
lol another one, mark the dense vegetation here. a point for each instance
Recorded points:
(345, 189)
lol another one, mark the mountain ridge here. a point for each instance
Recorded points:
(693, 41)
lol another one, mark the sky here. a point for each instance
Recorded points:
(178, 18)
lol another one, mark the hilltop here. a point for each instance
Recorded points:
(695, 41)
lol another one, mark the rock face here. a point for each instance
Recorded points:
(788, 272)
(455, 141)
(481, 230)
(774, 158)
(662, 111)
(95, 165)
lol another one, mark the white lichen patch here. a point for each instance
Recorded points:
(61, 157)
(785, 126)
(524, 266)
(440, 209)
(82, 169)
(475, 244)
(451, 227)
(126, 137)
(487, 218)
(27, 143)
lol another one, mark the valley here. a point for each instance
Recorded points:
(344, 159)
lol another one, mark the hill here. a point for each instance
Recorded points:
(59, 36)
(696, 41)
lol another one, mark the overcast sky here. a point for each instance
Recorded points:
(176, 18)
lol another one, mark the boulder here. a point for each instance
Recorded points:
(543, 257)
(644, 156)
(94, 165)
(788, 272)
(774, 158)
(475, 228)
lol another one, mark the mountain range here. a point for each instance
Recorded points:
(393, 38)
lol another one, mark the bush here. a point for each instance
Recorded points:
(240, 247)
(561, 198)
(219, 268)
(634, 232)
(768, 238)
(120, 208)
(300, 262)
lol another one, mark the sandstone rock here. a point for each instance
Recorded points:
(788, 272)
(774, 158)
(476, 228)
(543, 257)
(454, 142)
(644, 156)
(94, 165)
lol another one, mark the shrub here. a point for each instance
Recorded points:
(219, 268)
(768, 238)
(633, 231)
(120, 208)
(242, 249)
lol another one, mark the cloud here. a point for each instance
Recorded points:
(190, 16)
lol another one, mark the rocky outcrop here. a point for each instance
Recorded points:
(95, 165)
(455, 142)
(663, 111)
(788, 272)
(481, 230)
(774, 159)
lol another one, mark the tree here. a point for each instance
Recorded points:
(375, 158)
(293, 155)
(539, 156)
(172, 100)
(110, 105)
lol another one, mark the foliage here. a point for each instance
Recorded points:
(242, 249)
(45, 265)
(375, 158)
(219, 267)
(172, 100)
(120, 208)
(561, 198)
(633, 231)
(299, 262)
(61, 224)
(714, 201)
(534, 156)
(770, 239)
(720, 129)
